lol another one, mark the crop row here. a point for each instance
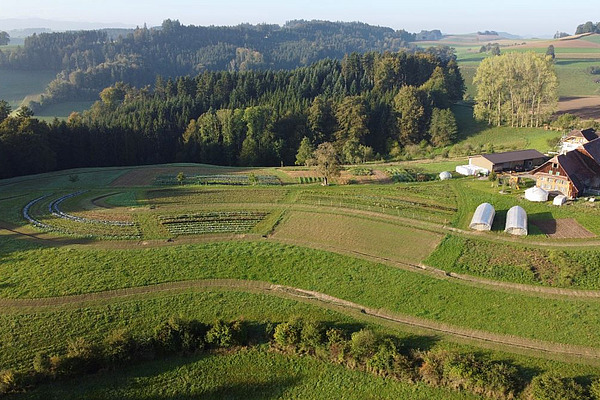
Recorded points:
(54, 209)
(52, 221)
(401, 207)
(251, 179)
(309, 179)
(212, 222)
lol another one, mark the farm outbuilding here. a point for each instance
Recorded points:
(536, 194)
(516, 221)
(444, 176)
(559, 200)
(471, 170)
(483, 218)
(521, 160)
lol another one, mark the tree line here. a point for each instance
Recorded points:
(88, 61)
(516, 89)
(373, 102)
(588, 27)
(365, 349)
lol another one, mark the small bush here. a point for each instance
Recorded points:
(288, 334)
(223, 334)
(119, 347)
(42, 364)
(311, 336)
(363, 344)
(550, 386)
(8, 382)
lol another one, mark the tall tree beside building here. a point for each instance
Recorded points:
(516, 89)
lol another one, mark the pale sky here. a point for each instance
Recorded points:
(459, 16)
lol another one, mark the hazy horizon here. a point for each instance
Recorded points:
(466, 16)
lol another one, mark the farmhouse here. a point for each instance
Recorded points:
(572, 173)
(576, 138)
(522, 160)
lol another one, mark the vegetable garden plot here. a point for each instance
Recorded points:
(402, 207)
(167, 180)
(45, 213)
(213, 222)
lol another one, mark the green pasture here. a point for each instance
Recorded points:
(24, 333)
(62, 110)
(481, 136)
(59, 271)
(253, 374)
(16, 85)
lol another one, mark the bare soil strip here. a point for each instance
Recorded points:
(566, 228)
(513, 342)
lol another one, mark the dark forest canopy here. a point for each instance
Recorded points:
(372, 103)
(88, 61)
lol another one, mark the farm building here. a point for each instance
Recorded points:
(521, 160)
(483, 218)
(572, 173)
(516, 221)
(576, 138)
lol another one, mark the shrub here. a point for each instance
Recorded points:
(550, 386)
(363, 344)
(221, 335)
(288, 334)
(595, 389)
(42, 364)
(8, 382)
(311, 335)
(167, 337)
(82, 356)
(119, 347)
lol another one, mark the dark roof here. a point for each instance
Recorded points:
(510, 156)
(589, 134)
(579, 168)
(593, 149)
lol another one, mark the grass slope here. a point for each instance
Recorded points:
(62, 271)
(252, 374)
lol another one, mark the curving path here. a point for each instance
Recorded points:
(510, 342)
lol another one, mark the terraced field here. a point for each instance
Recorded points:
(138, 254)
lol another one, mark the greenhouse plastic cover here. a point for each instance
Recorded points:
(560, 200)
(483, 218)
(516, 221)
(445, 175)
(468, 170)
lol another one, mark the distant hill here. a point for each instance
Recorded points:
(23, 24)
(92, 60)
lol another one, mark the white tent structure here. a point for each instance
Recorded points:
(516, 221)
(444, 176)
(470, 170)
(483, 218)
(559, 200)
(536, 194)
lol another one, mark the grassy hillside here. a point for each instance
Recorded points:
(353, 242)
(15, 86)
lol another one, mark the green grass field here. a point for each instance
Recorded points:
(502, 138)
(360, 222)
(63, 110)
(254, 374)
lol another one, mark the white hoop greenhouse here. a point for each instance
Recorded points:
(516, 221)
(483, 218)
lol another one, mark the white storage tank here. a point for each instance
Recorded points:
(516, 221)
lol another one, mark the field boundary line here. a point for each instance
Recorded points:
(509, 341)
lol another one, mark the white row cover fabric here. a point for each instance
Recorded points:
(444, 176)
(559, 200)
(516, 221)
(470, 170)
(536, 194)
(483, 218)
